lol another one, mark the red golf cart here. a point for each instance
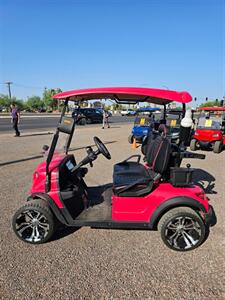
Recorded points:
(156, 195)
(210, 131)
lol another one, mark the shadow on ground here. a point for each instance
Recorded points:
(64, 231)
(20, 160)
(41, 155)
(35, 134)
(205, 180)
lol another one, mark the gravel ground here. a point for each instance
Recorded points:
(103, 264)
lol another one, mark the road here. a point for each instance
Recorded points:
(41, 122)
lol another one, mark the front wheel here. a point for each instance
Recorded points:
(130, 139)
(182, 229)
(34, 222)
(82, 122)
(193, 145)
(217, 147)
(88, 121)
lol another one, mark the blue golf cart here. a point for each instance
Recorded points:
(146, 117)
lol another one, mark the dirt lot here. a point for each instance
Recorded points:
(103, 264)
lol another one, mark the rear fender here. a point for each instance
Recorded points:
(172, 203)
(56, 211)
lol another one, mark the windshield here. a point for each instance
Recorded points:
(146, 118)
(208, 123)
(173, 120)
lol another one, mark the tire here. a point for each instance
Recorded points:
(34, 222)
(82, 122)
(88, 121)
(173, 233)
(193, 146)
(217, 147)
(130, 139)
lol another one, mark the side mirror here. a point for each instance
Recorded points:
(45, 148)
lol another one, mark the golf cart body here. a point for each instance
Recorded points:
(210, 130)
(143, 123)
(157, 194)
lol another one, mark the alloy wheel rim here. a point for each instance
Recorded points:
(32, 226)
(183, 232)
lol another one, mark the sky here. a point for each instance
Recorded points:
(171, 44)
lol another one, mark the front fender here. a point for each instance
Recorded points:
(56, 211)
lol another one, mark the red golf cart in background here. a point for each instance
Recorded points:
(210, 131)
(156, 195)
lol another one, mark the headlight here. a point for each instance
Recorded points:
(216, 135)
(196, 133)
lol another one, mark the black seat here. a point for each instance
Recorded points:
(133, 179)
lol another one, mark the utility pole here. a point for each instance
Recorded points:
(9, 88)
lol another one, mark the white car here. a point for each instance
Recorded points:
(127, 112)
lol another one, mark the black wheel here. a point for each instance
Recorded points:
(217, 147)
(34, 222)
(182, 229)
(193, 145)
(130, 139)
(88, 121)
(82, 121)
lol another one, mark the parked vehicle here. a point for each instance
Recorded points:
(158, 194)
(210, 131)
(143, 123)
(128, 112)
(87, 115)
(29, 110)
(42, 110)
(108, 111)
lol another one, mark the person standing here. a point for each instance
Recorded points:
(15, 114)
(105, 120)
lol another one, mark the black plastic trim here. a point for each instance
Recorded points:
(172, 203)
(57, 211)
(110, 224)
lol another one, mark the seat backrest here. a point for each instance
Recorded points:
(158, 154)
(148, 141)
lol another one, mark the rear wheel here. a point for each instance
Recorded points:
(217, 147)
(182, 229)
(34, 223)
(130, 139)
(193, 145)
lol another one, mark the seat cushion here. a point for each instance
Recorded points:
(128, 172)
(132, 179)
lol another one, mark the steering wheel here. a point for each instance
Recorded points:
(101, 147)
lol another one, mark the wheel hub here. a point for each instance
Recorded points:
(34, 222)
(32, 226)
(183, 232)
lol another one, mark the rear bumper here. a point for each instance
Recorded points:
(209, 215)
